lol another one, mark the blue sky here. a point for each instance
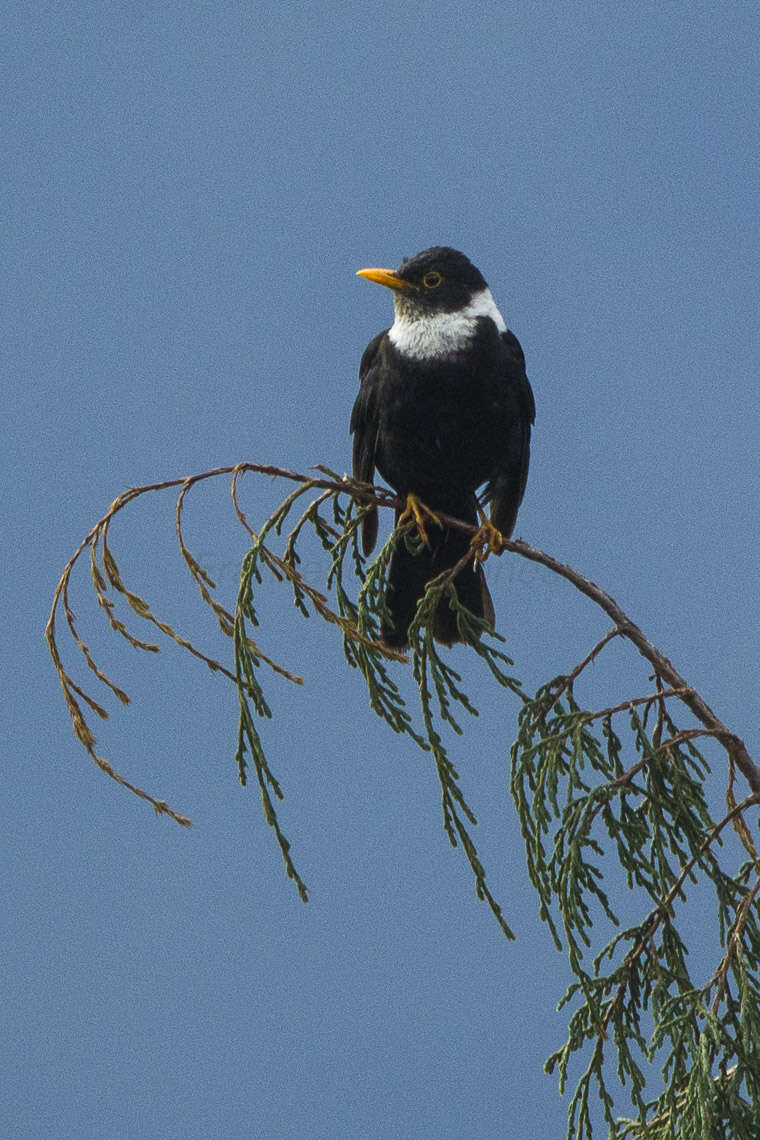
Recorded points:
(191, 189)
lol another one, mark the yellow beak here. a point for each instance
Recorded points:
(387, 277)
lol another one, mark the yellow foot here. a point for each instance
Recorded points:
(488, 539)
(416, 509)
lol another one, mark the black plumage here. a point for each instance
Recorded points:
(444, 412)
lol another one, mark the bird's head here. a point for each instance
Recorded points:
(438, 280)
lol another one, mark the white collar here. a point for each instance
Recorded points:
(436, 334)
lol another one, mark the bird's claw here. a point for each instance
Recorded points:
(487, 539)
(416, 509)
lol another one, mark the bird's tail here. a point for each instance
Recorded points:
(409, 573)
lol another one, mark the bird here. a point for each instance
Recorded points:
(444, 413)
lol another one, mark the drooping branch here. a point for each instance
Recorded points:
(329, 484)
(107, 574)
(662, 665)
(570, 779)
(624, 626)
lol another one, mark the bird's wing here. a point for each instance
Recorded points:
(517, 409)
(364, 427)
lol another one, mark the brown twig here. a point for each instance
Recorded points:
(568, 680)
(663, 667)
(733, 946)
(329, 483)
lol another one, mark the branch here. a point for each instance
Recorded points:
(664, 668)
(660, 842)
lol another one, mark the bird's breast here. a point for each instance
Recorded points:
(436, 431)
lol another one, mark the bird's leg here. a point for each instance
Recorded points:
(416, 509)
(487, 539)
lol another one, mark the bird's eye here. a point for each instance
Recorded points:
(432, 280)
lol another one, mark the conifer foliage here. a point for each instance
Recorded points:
(600, 793)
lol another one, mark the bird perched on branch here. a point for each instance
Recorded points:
(444, 411)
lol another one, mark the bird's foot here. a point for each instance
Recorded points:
(487, 539)
(416, 509)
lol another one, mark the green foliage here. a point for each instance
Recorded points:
(358, 617)
(605, 797)
(586, 809)
(583, 811)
